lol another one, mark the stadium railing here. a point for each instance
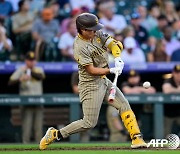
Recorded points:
(158, 100)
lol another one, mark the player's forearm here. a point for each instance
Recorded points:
(133, 90)
(167, 89)
(171, 90)
(97, 71)
(37, 76)
(150, 90)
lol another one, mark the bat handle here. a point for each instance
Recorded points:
(113, 89)
(115, 79)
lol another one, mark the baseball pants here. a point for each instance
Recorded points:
(32, 118)
(92, 95)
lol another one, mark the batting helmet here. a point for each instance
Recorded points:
(88, 21)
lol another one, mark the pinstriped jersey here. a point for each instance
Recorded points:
(91, 52)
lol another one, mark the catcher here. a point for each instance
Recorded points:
(90, 52)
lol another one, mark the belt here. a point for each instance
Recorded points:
(103, 76)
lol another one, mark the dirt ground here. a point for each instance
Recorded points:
(82, 148)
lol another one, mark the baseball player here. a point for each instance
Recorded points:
(30, 77)
(90, 52)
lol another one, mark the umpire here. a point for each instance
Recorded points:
(29, 77)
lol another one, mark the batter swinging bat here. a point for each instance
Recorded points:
(113, 89)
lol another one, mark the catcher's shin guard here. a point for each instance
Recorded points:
(131, 125)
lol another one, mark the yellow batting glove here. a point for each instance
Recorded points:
(120, 45)
(116, 47)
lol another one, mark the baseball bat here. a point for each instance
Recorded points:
(112, 94)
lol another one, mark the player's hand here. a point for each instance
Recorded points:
(115, 70)
(119, 62)
(24, 68)
(24, 78)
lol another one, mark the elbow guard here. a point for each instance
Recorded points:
(116, 47)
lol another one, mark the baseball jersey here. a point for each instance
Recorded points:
(30, 87)
(91, 52)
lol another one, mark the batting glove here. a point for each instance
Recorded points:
(119, 62)
(115, 70)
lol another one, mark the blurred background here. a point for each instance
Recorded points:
(38, 74)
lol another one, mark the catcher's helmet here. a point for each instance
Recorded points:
(88, 21)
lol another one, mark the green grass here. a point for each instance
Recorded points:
(57, 145)
(62, 148)
(90, 152)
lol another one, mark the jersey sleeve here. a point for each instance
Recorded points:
(83, 57)
(167, 81)
(105, 38)
(39, 70)
(16, 75)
